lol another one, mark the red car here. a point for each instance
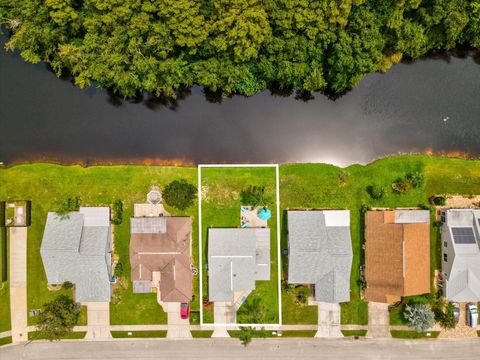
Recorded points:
(184, 310)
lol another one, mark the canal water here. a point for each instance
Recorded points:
(431, 105)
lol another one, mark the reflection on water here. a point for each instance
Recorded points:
(404, 110)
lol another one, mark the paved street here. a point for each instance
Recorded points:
(232, 349)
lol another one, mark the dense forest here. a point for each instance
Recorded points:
(236, 46)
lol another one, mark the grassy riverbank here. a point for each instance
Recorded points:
(301, 186)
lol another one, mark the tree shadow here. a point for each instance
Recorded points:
(168, 102)
(213, 97)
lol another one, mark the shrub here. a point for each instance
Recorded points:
(439, 200)
(119, 270)
(419, 316)
(376, 192)
(444, 315)
(67, 285)
(254, 196)
(343, 177)
(302, 297)
(415, 179)
(179, 194)
(69, 205)
(117, 212)
(401, 186)
(287, 288)
(58, 318)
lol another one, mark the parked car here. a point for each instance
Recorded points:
(472, 315)
(456, 311)
(184, 310)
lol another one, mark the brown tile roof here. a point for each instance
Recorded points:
(397, 257)
(167, 253)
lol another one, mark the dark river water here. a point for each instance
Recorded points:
(432, 105)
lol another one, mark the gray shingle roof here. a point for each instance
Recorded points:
(236, 259)
(320, 252)
(462, 282)
(77, 249)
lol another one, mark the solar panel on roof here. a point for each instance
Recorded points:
(463, 235)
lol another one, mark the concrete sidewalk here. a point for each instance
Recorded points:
(18, 283)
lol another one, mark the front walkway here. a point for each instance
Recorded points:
(18, 283)
(328, 320)
(378, 320)
(98, 320)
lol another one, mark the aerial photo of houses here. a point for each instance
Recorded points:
(239, 179)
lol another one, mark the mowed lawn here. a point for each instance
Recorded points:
(221, 203)
(48, 185)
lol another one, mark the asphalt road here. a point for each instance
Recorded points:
(259, 349)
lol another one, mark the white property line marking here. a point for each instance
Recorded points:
(157, 253)
(232, 256)
(231, 275)
(200, 234)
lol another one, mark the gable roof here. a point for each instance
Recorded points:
(77, 248)
(236, 259)
(162, 244)
(320, 252)
(397, 254)
(463, 280)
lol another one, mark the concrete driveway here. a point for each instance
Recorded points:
(178, 328)
(378, 321)
(223, 313)
(328, 320)
(98, 320)
(18, 283)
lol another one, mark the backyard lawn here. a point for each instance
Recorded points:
(48, 185)
(221, 203)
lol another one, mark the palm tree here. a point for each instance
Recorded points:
(253, 311)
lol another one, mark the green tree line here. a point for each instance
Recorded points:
(236, 46)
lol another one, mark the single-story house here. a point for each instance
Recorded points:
(160, 256)
(461, 254)
(77, 248)
(320, 252)
(236, 259)
(397, 254)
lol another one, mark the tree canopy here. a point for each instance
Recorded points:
(237, 46)
(58, 318)
(180, 194)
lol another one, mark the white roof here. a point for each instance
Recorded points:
(463, 282)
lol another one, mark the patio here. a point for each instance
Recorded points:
(249, 217)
